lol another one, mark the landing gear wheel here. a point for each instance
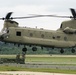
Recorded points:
(24, 49)
(34, 49)
(61, 51)
(73, 50)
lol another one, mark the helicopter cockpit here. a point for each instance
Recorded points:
(10, 23)
(7, 24)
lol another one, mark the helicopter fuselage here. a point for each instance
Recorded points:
(40, 37)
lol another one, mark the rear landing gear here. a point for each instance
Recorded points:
(73, 50)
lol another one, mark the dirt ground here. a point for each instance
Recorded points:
(29, 73)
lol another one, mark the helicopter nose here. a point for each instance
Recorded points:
(2, 36)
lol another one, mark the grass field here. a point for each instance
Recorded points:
(8, 68)
(45, 59)
(52, 59)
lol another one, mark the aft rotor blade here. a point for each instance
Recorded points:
(73, 13)
(54, 16)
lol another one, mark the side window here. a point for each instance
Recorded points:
(58, 37)
(31, 34)
(65, 38)
(42, 35)
(18, 33)
(53, 37)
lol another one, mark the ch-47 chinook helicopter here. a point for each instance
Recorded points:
(64, 37)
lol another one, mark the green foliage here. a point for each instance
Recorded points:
(11, 49)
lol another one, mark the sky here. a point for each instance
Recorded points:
(23, 8)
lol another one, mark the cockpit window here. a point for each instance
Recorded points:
(7, 31)
(4, 30)
(61, 26)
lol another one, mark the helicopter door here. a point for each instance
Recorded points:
(19, 35)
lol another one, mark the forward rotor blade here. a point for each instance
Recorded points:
(2, 18)
(27, 17)
(41, 16)
(8, 15)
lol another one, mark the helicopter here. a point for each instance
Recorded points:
(64, 37)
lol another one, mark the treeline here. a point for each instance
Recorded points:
(11, 49)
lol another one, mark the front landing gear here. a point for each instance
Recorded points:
(20, 59)
(24, 50)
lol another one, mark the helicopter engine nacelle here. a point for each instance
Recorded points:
(69, 30)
